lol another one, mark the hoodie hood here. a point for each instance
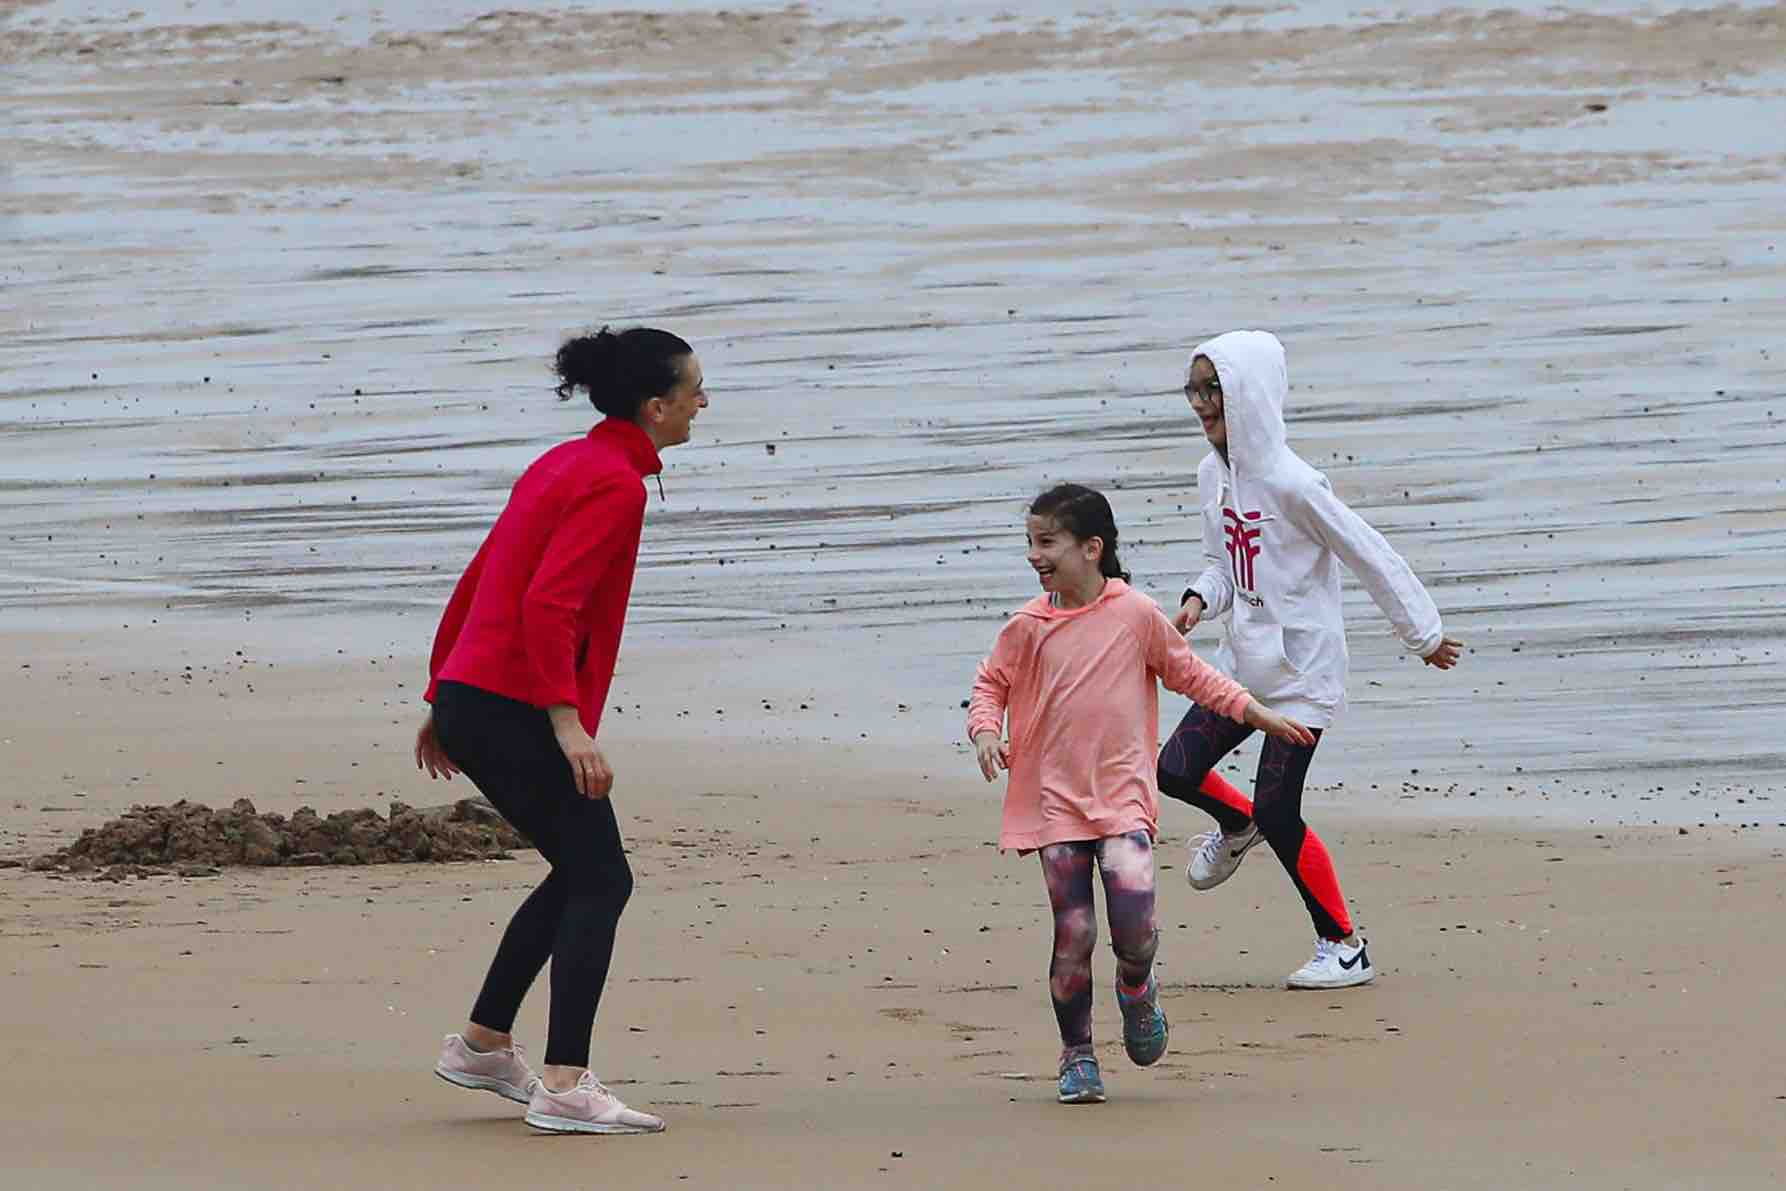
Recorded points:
(1254, 383)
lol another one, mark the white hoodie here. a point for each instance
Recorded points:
(1274, 535)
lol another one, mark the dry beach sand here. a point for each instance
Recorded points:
(280, 283)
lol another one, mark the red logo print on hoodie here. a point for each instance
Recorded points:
(1243, 545)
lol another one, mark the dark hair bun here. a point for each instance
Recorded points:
(621, 371)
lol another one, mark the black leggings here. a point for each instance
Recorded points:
(508, 750)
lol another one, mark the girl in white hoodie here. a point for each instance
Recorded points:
(1274, 536)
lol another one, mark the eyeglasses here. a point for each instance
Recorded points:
(1209, 393)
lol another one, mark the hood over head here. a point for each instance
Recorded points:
(1255, 381)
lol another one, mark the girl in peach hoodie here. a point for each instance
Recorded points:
(1077, 673)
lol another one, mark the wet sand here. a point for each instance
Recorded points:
(281, 284)
(829, 977)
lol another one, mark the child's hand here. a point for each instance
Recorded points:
(994, 754)
(1280, 726)
(1446, 655)
(1189, 614)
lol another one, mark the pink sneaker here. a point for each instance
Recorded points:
(504, 1072)
(587, 1108)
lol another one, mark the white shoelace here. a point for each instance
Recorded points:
(1211, 849)
(1323, 949)
(588, 1082)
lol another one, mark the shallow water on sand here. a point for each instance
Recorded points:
(280, 298)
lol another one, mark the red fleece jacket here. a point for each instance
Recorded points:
(538, 614)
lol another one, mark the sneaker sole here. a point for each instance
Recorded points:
(1206, 885)
(551, 1124)
(485, 1083)
(1084, 1098)
(1319, 986)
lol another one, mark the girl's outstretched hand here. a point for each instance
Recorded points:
(429, 756)
(994, 754)
(1446, 655)
(1281, 726)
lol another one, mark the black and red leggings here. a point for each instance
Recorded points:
(1187, 773)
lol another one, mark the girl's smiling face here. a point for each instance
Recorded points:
(1203, 389)
(1061, 561)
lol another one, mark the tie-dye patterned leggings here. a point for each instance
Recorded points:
(1126, 864)
(1186, 773)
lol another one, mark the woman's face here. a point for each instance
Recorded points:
(671, 415)
(1203, 389)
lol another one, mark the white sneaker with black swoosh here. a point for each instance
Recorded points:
(1215, 856)
(1334, 965)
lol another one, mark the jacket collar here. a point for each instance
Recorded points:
(633, 442)
(1042, 607)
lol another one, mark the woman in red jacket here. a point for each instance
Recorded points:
(520, 672)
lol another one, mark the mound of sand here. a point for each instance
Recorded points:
(190, 836)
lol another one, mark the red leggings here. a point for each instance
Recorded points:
(1187, 773)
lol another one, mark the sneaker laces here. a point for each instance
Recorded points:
(1071, 1058)
(588, 1082)
(520, 1057)
(1324, 949)
(1210, 850)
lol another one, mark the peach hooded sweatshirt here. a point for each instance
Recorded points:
(1081, 687)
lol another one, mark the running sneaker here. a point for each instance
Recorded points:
(1217, 854)
(1080, 1080)
(1334, 965)
(1144, 1028)
(587, 1108)
(504, 1072)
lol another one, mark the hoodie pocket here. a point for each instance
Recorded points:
(1260, 663)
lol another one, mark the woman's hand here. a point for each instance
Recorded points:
(429, 756)
(589, 769)
(1281, 726)
(1190, 615)
(1446, 655)
(994, 754)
